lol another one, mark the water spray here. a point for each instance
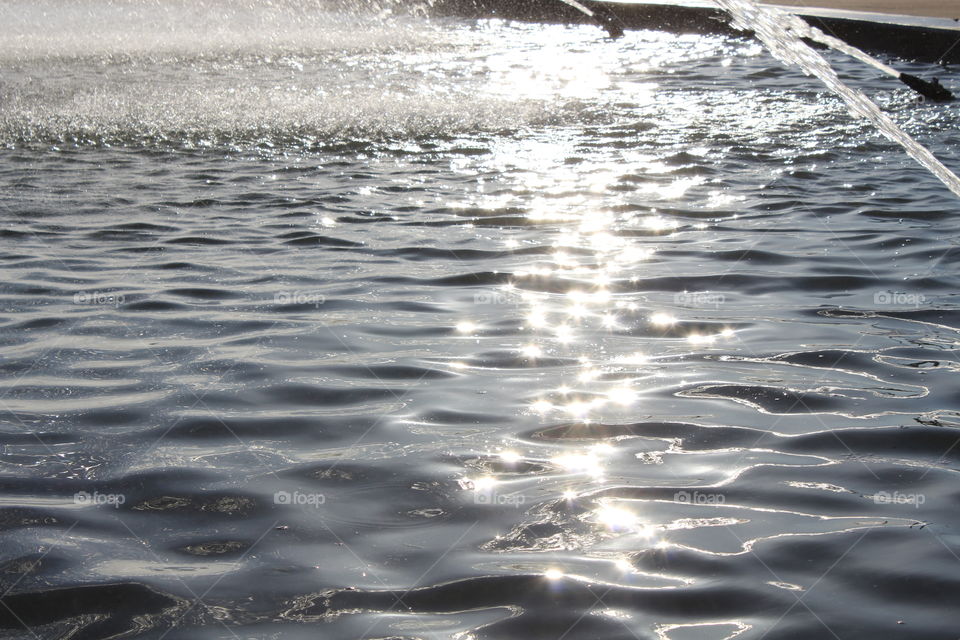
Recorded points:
(602, 15)
(929, 90)
(781, 33)
(934, 91)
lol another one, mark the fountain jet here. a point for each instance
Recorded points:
(929, 90)
(782, 34)
(602, 15)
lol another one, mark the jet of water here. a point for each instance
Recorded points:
(804, 30)
(782, 32)
(579, 7)
(603, 17)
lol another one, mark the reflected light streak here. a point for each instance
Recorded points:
(588, 374)
(601, 296)
(602, 449)
(577, 408)
(579, 463)
(621, 519)
(662, 319)
(616, 518)
(537, 319)
(601, 280)
(676, 189)
(577, 311)
(485, 483)
(605, 241)
(564, 260)
(635, 359)
(610, 321)
(510, 457)
(596, 223)
(658, 223)
(466, 327)
(531, 351)
(622, 396)
(542, 406)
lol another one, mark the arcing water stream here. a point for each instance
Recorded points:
(804, 30)
(782, 32)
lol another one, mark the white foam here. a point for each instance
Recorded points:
(62, 28)
(222, 72)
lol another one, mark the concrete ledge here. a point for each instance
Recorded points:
(905, 37)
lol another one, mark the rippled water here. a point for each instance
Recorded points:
(396, 328)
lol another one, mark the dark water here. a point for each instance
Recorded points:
(375, 327)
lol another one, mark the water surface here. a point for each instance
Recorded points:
(356, 325)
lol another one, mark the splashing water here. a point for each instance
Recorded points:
(296, 73)
(804, 30)
(782, 32)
